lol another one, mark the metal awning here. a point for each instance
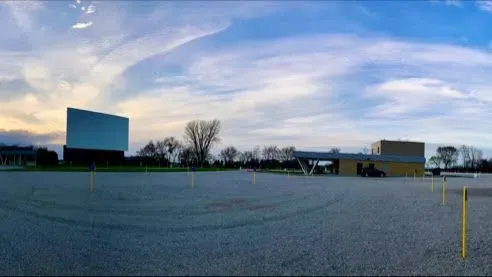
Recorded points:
(303, 156)
(327, 156)
(17, 152)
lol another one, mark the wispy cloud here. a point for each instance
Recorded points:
(365, 11)
(177, 63)
(484, 5)
(23, 12)
(406, 96)
(267, 88)
(454, 3)
(23, 137)
(82, 25)
(91, 9)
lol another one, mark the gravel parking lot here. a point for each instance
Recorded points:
(157, 224)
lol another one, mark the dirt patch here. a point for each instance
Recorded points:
(225, 205)
(238, 204)
(261, 207)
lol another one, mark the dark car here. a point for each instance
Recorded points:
(372, 172)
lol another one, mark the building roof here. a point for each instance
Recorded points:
(16, 150)
(93, 112)
(359, 157)
(393, 140)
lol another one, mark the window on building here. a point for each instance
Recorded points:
(378, 149)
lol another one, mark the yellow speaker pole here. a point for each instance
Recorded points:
(444, 191)
(463, 227)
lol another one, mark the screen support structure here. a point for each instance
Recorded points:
(305, 166)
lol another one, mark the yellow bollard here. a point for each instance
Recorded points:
(444, 191)
(192, 179)
(254, 178)
(432, 183)
(463, 228)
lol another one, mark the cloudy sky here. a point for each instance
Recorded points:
(311, 74)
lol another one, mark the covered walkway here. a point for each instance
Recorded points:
(309, 160)
(16, 156)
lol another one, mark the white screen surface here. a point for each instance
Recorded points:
(98, 131)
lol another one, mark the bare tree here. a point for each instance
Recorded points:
(475, 157)
(271, 152)
(255, 154)
(287, 153)
(242, 157)
(276, 153)
(265, 153)
(149, 150)
(210, 158)
(201, 136)
(161, 150)
(435, 161)
(365, 150)
(448, 155)
(173, 147)
(187, 155)
(471, 156)
(228, 154)
(464, 151)
(247, 156)
(335, 150)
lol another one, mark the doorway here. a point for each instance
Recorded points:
(359, 168)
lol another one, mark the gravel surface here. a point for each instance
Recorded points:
(157, 224)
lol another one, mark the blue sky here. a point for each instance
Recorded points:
(311, 74)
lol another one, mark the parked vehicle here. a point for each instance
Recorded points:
(372, 172)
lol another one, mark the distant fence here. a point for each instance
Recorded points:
(466, 174)
(461, 174)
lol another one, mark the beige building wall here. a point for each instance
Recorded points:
(394, 169)
(376, 148)
(406, 169)
(349, 167)
(402, 148)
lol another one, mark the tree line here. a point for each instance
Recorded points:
(464, 158)
(200, 136)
